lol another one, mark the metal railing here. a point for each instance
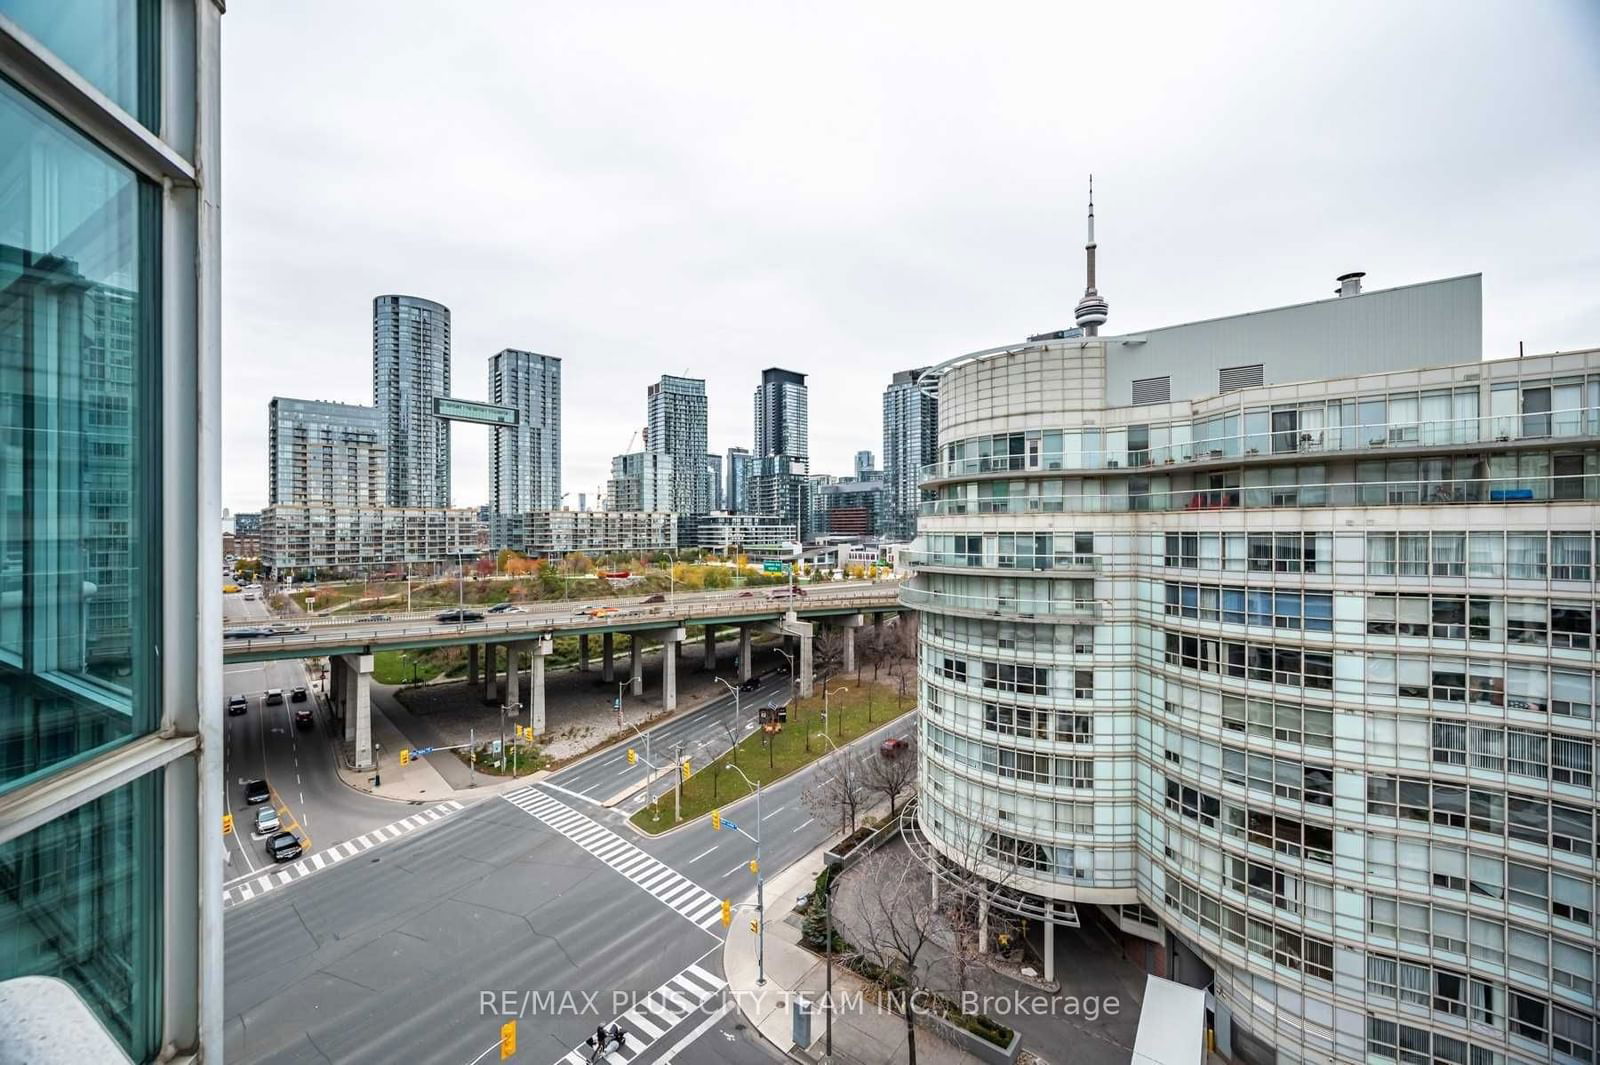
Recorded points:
(1269, 442)
(1000, 605)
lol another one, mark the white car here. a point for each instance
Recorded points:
(266, 820)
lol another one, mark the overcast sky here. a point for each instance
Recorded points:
(847, 190)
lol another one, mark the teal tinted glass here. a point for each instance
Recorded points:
(79, 453)
(81, 902)
(109, 43)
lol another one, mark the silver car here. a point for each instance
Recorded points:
(267, 821)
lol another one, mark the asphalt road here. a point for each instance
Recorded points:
(386, 957)
(298, 764)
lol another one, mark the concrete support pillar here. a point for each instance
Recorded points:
(358, 722)
(472, 665)
(513, 692)
(849, 662)
(336, 688)
(983, 923)
(711, 649)
(806, 678)
(491, 672)
(607, 650)
(349, 680)
(744, 653)
(1050, 944)
(583, 653)
(635, 664)
(536, 654)
(671, 640)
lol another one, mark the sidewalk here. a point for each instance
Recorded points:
(864, 1037)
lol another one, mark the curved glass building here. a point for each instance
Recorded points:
(1292, 676)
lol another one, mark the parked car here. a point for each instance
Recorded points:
(303, 717)
(657, 598)
(256, 791)
(750, 685)
(297, 694)
(284, 847)
(237, 704)
(892, 748)
(267, 821)
(455, 616)
(506, 608)
(274, 696)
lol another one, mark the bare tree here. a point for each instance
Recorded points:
(838, 788)
(890, 919)
(893, 777)
(827, 651)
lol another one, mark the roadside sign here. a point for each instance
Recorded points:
(616, 704)
(772, 567)
(494, 746)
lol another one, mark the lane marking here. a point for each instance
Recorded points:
(774, 813)
(702, 854)
(735, 869)
(799, 827)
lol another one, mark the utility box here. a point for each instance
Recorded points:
(800, 1018)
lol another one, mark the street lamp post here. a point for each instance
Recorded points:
(734, 688)
(793, 701)
(825, 694)
(761, 881)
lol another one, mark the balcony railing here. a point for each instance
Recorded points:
(1008, 561)
(1269, 442)
(1577, 487)
(992, 605)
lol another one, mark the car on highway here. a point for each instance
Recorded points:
(251, 597)
(376, 617)
(746, 595)
(256, 791)
(285, 847)
(267, 821)
(657, 598)
(796, 592)
(274, 696)
(750, 685)
(303, 717)
(297, 694)
(237, 704)
(506, 608)
(892, 748)
(246, 634)
(595, 611)
(455, 616)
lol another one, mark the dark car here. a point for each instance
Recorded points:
(452, 616)
(506, 608)
(303, 718)
(248, 634)
(284, 847)
(750, 685)
(746, 595)
(256, 791)
(892, 748)
(297, 694)
(657, 598)
(237, 704)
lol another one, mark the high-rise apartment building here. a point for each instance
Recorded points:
(111, 787)
(735, 496)
(910, 442)
(525, 459)
(1293, 677)
(325, 453)
(640, 481)
(864, 466)
(714, 482)
(410, 368)
(676, 407)
(781, 458)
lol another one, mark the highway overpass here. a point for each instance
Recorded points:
(349, 642)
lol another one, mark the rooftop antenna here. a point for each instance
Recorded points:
(1092, 309)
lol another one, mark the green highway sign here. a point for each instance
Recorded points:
(465, 410)
(772, 567)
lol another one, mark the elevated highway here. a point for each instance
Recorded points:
(498, 644)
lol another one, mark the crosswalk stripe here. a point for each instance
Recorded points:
(716, 983)
(634, 1018)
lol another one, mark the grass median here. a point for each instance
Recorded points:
(852, 713)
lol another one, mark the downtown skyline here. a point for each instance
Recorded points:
(663, 227)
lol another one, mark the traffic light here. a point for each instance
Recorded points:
(716, 820)
(508, 1039)
(633, 756)
(755, 866)
(727, 912)
(405, 756)
(227, 829)
(755, 926)
(687, 769)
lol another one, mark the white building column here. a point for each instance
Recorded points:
(607, 650)
(1050, 943)
(745, 656)
(583, 653)
(635, 664)
(711, 649)
(983, 922)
